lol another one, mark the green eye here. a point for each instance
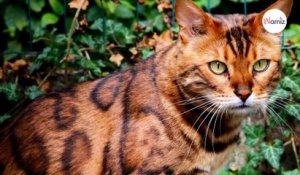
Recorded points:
(217, 67)
(261, 65)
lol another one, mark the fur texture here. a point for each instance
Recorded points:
(170, 114)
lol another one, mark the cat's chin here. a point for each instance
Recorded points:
(243, 110)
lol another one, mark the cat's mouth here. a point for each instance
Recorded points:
(243, 106)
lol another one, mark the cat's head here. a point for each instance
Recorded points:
(228, 60)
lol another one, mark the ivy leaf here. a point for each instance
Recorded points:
(15, 18)
(254, 158)
(293, 110)
(272, 153)
(213, 3)
(32, 92)
(146, 52)
(4, 117)
(49, 18)
(253, 134)
(10, 91)
(37, 5)
(248, 170)
(56, 6)
(289, 83)
(293, 172)
(123, 12)
(158, 23)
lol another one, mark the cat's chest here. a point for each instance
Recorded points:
(211, 163)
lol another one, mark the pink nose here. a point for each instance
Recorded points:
(243, 94)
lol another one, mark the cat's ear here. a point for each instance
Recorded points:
(284, 5)
(192, 19)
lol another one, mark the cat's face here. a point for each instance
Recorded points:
(229, 61)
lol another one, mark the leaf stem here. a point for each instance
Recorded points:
(69, 44)
(295, 151)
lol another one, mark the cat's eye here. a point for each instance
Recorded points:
(218, 67)
(261, 65)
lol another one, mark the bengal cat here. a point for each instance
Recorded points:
(178, 112)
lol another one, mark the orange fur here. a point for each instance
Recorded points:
(165, 115)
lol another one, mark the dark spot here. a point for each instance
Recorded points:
(31, 155)
(198, 171)
(218, 147)
(64, 115)
(155, 132)
(77, 150)
(156, 152)
(106, 91)
(150, 111)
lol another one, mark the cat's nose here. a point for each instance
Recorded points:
(243, 93)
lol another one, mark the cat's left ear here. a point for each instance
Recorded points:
(284, 5)
(192, 20)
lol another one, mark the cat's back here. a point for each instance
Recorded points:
(60, 130)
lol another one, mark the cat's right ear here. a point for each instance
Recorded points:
(192, 20)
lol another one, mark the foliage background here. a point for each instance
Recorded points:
(40, 52)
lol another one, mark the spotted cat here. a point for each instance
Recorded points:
(178, 112)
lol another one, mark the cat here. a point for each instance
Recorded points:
(178, 112)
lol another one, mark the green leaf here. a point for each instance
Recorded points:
(4, 117)
(48, 19)
(279, 94)
(254, 158)
(93, 13)
(239, 1)
(15, 18)
(146, 52)
(248, 170)
(253, 134)
(127, 4)
(12, 45)
(56, 6)
(10, 91)
(290, 83)
(123, 12)
(158, 23)
(287, 133)
(32, 92)
(204, 3)
(293, 110)
(272, 153)
(293, 172)
(37, 5)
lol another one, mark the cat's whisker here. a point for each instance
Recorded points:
(190, 100)
(208, 125)
(283, 98)
(277, 115)
(214, 126)
(214, 106)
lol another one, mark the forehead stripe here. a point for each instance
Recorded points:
(246, 36)
(236, 33)
(228, 37)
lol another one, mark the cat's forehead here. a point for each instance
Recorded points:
(232, 20)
